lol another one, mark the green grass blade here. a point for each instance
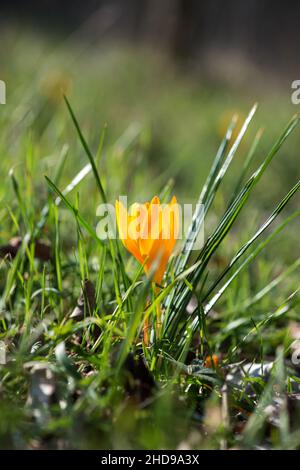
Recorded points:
(87, 151)
(74, 211)
(257, 234)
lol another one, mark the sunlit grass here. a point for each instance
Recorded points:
(79, 372)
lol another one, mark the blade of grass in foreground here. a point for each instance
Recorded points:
(247, 261)
(252, 255)
(257, 420)
(192, 230)
(117, 259)
(87, 151)
(274, 283)
(259, 232)
(206, 197)
(177, 313)
(247, 164)
(290, 303)
(74, 183)
(237, 205)
(214, 179)
(74, 211)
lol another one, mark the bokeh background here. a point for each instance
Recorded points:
(165, 76)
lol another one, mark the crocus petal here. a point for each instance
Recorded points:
(123, 221)
(159, 255)
(170, 225)
(147, 235)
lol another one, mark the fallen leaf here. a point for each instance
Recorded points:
(42, 249)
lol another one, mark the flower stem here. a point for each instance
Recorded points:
(158, 313)
(146, 331)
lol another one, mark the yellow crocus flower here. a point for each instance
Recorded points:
(149, 232)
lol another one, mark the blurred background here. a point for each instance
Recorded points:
(259, 31)
(165, 76)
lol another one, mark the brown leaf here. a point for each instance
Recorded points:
(12, 248)
(42, 249)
